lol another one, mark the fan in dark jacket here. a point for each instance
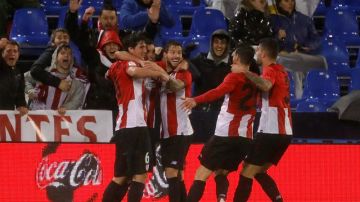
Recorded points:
(11, 80)
(208, 71)
(250, 23)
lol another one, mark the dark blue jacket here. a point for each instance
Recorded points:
(299, 30)
(134, 16)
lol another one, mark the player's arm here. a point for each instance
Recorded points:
(227, 86)
(262, 83)
(139, 72)
(175, 84)
(126, 56)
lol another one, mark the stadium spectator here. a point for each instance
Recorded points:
(140, 15)
(275, 128)
(233, 135)
(59, 36)
(131, 136)
(11, 80)
(295, 32)
(227, 7)
(44, 97)
(250, 23)
(208, 71)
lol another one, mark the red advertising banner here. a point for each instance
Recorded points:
(80, 172)
(48, 126)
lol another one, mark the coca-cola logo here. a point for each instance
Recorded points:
(86, 170)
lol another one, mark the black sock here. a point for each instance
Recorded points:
(136, 191)
(196, 191)
(243, 189)
(182, 191)
(269, 186)
(174, 189)
(115, 192)
(222, 185)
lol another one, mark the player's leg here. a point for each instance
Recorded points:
(117, 188)
(222, 184)
(197, 188)
(268, 184)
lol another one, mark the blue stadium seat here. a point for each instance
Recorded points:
(172, 33)
(352, 4)
(311, 105)
(321, 9)
(355, 79)
(30, 30)
(341, 22)
(293, 100)
(336, 54)
(97, 4)
(206, 21)
(61, 20)
(185, 6)
(322, 86)
(202, 45)
(51, 7)
(117, 4)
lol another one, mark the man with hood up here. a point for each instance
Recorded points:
(44, 97)
(208, 71)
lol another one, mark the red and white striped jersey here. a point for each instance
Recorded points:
(130, 95)
(49, 97)
(275, 104)
(238, 110)
(152, 99)
(175, 121)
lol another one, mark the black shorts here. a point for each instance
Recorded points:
(173, 151)
(132, 151)
(268, 148)
(224, 152)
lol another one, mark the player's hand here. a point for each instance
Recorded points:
(23, 110)
(183, 65)
(89, 12)
(188, 104)
(65, 85)
(32, 94)
(62, 110)
(164, 77)
(74, 5)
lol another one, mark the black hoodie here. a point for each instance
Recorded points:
(12, 86)
(208, 72)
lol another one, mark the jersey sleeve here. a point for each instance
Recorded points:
(269, 74)
(185, 76)
(113, 70)
(225, 87)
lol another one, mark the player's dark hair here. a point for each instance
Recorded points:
(270, 46)
(131, 40)
(171, 43)
(245, 53)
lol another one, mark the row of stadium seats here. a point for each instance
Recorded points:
(34, 31)
(322, 90)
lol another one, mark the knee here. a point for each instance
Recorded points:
(119, 180)
(202, 173)
(140, 178)
(171, 172)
